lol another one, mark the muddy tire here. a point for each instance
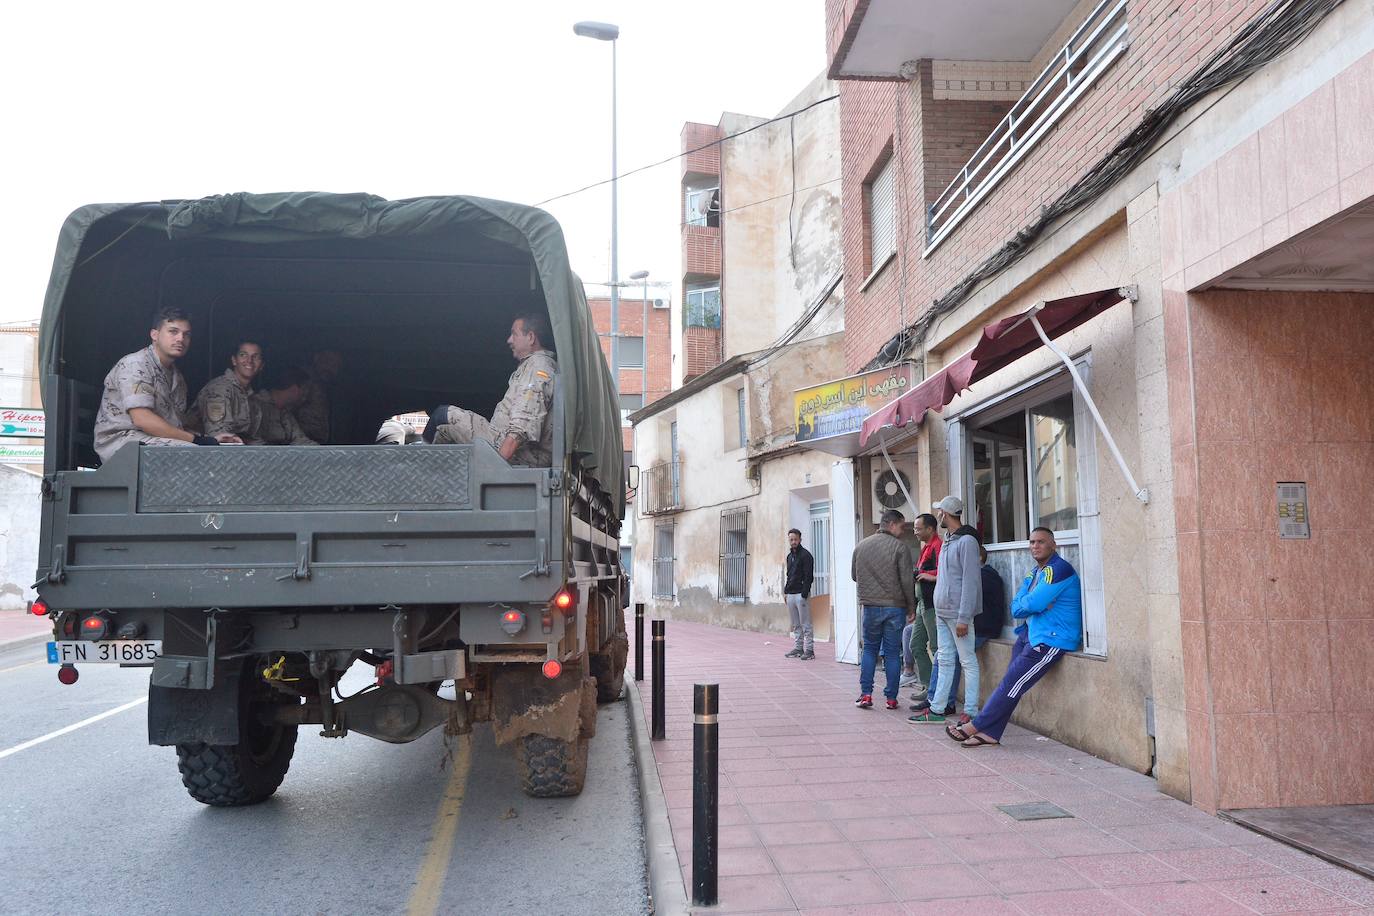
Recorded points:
(550, 768)
(608, 668)
(233, 775)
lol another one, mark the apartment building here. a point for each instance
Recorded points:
(1180, 197)
(760, 315)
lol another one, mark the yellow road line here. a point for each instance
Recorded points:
(424, 899)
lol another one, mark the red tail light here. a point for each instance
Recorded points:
(552, 668)
(39, 607)
(94, 627)
(67, 674)
(566, 600)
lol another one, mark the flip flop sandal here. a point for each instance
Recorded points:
(956, 733)
(979, 741)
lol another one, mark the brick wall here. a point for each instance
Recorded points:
(703, 350)
(1168, 41)
(704, 161)
(657, 345)
(700, 252)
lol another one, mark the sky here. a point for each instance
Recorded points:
(149, 100)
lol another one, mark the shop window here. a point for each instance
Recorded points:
(703, 308)
(734, 554)
(663, 560)
(1024, 466)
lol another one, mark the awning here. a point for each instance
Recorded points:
(1002, 343)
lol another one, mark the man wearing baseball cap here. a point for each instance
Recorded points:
(958, 599)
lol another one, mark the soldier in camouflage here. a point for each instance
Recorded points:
(225, 403)
(520, 429)
(144, 399)
(278, 424)
(313, 411)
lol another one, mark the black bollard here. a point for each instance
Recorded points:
(705, 792)
(657, 727)
(639, 640)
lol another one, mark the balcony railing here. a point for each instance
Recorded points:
(1091, 50)
(660, 488)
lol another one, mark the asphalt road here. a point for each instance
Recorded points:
(94, 820)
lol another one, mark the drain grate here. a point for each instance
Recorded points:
(1034, 811)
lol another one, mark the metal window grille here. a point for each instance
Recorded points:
(663, 560)
(820, 548)
(1099, 41)
(882, 215)
(734, 554)
(660, 488)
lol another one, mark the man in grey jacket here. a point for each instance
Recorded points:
(958, 599)
(882, 567)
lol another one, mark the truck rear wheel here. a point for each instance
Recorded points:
(233, 775)
(608, 667)
(550, 768)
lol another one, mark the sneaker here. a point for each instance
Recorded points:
(949, 710)
(892, 704)
(795, 653)
(865, 701)
(919, 707)
(924, 717)
(908, 680)
(807, 656)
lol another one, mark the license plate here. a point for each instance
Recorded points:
(111, 652)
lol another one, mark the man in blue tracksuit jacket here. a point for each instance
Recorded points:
(1049, 606)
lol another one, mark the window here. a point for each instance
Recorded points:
(735, 432)
(739, 409)
(632, 352)
(734, 554)
(703, 308)
(1023, 463)
(820, 547)
(663, 560)
(629, 403)
(675, 464)
(703, 207)
(880, 195)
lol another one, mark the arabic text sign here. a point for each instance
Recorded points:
(22, 422)
(840, 406)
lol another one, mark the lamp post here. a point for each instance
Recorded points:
(604, 31)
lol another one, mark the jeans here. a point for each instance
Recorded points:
(882, 631)
(802, 631)
(950, 647)
(958, 670)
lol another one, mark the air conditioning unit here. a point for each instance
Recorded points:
(660, 303)
(887, 494)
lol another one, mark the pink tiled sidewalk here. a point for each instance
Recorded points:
(825, 808)
(20, 627)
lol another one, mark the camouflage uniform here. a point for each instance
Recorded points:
(138, 380)
(226, 407)
(278, 426)
(523, 413)
(313, 410)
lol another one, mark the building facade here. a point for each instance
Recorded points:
(1196, 181)
(760, 316)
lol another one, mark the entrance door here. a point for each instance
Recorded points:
(844, 594)
(819, 543)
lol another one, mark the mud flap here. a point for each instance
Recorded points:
(177, 715)
(524, 702)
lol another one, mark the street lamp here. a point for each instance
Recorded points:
(604, 31)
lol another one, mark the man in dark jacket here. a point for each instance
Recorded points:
(796, 591)
(881, 565)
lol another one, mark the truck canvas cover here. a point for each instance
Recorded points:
(417, 294)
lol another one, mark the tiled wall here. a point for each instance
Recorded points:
(1277, 634)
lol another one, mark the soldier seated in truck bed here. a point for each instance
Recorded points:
(144, 398)
(277, 421)
(520, 428)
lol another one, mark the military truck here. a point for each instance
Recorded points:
(250, 578)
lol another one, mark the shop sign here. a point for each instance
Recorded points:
(839, 407)
(21, 454)
(22, 422)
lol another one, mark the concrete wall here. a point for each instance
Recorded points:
(20, 504)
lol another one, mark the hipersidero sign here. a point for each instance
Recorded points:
(21, 454)
(839, 407)
(22, 422)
